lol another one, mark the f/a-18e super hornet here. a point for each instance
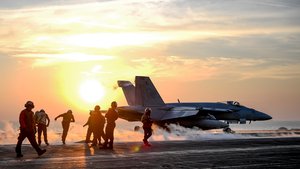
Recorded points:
(204, 115)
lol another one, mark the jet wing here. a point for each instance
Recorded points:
(179, 112)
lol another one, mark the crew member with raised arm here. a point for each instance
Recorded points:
(67, 119)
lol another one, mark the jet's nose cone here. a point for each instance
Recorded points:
(264, 116)
(268, 117)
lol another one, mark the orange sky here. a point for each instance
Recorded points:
(196, 51)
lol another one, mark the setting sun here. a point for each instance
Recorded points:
(91, 91)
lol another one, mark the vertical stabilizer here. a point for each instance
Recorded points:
(145, 92)
(129, 91)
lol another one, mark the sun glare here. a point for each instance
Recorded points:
(91, 91)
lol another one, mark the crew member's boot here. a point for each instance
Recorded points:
(104, 146)
(41, 152)
(110, 145)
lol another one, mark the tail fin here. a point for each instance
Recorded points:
(145, 92)
(128, 90)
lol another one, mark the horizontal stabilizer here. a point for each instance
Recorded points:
(123, 83)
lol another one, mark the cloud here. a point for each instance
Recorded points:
(159, 37)
(194, 69)
(281, 47)
(50, 59)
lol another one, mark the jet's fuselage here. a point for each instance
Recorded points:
(227, 111)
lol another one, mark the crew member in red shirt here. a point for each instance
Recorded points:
(27, 129)
(147, 123)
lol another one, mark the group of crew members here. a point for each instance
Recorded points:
(96, 121)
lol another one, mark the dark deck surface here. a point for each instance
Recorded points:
(235, 153)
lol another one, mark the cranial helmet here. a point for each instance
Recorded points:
(29, 104)
(114, 104)
(147, 109)
(97, 107)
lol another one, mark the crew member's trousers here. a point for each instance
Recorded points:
(109, 134)
(147, 133)
(31, 137)
(42, 128)
(65, 126)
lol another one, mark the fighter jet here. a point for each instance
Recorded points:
(204, 115)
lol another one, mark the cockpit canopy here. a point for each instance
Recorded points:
(233, 103)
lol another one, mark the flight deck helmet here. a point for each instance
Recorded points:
(148, 110)
(97, 108)
(29, 104)
(114, 104)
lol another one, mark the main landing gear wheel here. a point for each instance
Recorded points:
(228, 130)
(137, 128)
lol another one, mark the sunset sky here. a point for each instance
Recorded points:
(69, 54)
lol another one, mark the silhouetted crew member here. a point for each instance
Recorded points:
(89, 130)
(42, 120)
(27, 129)
(111, 117)
(97, 122)
(147, 124)
(67, 119)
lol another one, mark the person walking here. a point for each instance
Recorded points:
(67, 119)
(147, 124)
(42, 120)
(27, 130)
(111, 116)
